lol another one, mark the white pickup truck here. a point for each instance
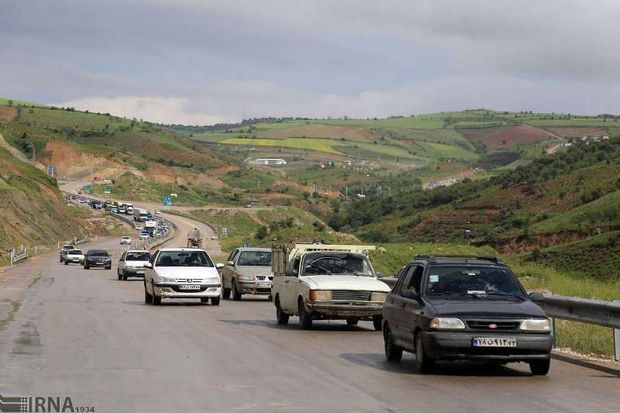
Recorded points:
(326, 282)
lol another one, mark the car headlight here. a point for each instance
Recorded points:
(320, 295)
(441, 323)
(165, 279)
(536, 325)
(378, 296)
(247, 278)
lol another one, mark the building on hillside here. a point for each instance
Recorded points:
(269, 161)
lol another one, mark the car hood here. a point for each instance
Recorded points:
(484, 308)
(253, 270)
(187, 272)
(345, 282)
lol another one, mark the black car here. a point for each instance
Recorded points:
(464, 308)
(97, 258)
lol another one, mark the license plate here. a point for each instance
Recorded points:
(264, 284)
(189, 287)
(494, 342)
(351, 313)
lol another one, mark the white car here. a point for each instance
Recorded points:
(181, 273)
(327, 282)
(74, 256)
(144, 235)
(125, 240)
(131, 264)
(139, 227)
(157, 211)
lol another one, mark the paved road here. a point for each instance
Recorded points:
(88, 335)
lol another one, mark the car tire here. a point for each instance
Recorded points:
(118, 273)
(148, 298)
(352, 322)
(393, 353)
(66, 263)
(226, 293)
(423, 363)
(109, 267)
(236, 294)
(281, 316)
(540, 367)
(215, 300)
(124, 276)
(156, 299)
(270, 298)
(86, 267)
(204, 300)
(376, 322)
(305, 319)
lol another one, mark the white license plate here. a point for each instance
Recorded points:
(494, 342)
(264, 285)
(189, 287)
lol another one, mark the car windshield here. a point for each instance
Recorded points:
(68, 247)
(474, 281)
(255, 258)
(75, 252)
(337, 264)
(183, 259)
(98, 253)
(138, 256)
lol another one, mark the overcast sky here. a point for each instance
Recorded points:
(207, 61)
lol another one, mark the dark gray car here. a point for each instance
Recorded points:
(451, 308)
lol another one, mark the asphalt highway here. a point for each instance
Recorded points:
(87, 335)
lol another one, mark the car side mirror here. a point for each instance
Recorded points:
(148, 265)
(536, 296)
(231, 263)
(219, 265)
(290, 273)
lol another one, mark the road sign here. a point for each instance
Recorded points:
(107, 191)
(167, 201)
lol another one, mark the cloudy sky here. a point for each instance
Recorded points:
(207, 61)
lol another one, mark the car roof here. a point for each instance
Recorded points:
(182, 249)
(459, 259)
(254, 249)
(138, 251)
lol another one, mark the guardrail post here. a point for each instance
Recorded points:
(617, 339)
(12, 256)
(553, 332)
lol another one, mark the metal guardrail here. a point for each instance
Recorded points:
(18, 256)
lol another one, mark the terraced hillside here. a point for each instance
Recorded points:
(564, 204)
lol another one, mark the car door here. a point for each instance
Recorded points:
(396, 304)
(289, 289)
(228, 270)
(412, 309)
(148, 273)
(121, 262)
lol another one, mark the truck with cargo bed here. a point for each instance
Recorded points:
(326, 282)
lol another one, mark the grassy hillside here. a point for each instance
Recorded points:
(568, 197)
(33, 211)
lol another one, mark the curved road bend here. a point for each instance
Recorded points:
(87, 335)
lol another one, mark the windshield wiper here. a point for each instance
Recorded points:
(505, 294)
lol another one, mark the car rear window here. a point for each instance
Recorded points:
(75, 252)
(138, 256)
(98, 253)
(255, 258)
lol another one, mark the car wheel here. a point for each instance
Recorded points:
(226, 293)
(236, 294)
(281, 316)
(215, 300)
(124, 276)
(156, 299)
(270, 298)
(66, 263)
(204, 300)
(148, 298)
(376, 322)
(352, 322)
(86, 267)
(118, 273)
(540, 367)
(423, 363)
(305, 319)
(109, 267)
(393, 352)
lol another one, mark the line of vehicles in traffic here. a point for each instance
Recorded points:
(440, 307)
